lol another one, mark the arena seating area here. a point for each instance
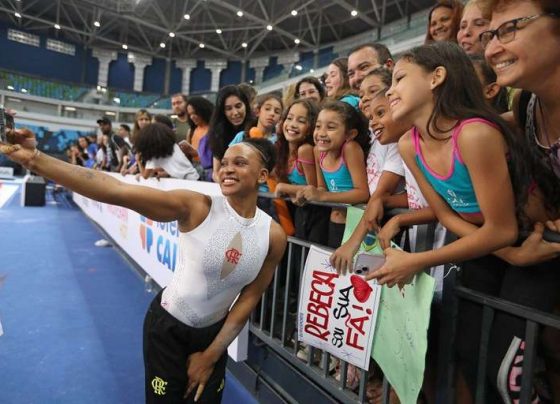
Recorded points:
(133, 100)
(41, 87)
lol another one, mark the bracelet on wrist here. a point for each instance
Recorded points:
(33, 157)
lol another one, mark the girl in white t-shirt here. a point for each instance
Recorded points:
(160, 154)
(382, 158)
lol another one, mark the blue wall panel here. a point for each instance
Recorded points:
(154, 76)
(176, 79)
(83, 68)
(28, 59)
(232, 74)
(273, 69)
(306, 60)
(200, 78)
(121, 73)
(326, 55)
(91, 68)
(249, 74)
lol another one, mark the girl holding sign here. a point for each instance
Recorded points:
(474, 173)
(227, 248)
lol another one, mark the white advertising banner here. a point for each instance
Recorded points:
(152, 245)
(337, 313)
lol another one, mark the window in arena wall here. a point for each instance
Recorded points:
(23, 37)
(61, 47)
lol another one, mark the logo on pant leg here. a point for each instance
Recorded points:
(158, 384)
(221, 386)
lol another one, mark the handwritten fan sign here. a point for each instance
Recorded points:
(401, 337)
(337, 313)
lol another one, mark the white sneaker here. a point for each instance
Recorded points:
(303, 352)
(102, 243)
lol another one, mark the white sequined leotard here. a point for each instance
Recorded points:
(216, 260)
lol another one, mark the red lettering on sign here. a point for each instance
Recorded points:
(355, 327)
(320, 302)
(319, 298)
(352, 339)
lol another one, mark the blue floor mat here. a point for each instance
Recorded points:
(72, 313)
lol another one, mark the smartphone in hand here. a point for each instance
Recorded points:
(6, 122)
(368, 263)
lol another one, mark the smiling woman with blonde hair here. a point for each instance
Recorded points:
(474, 21)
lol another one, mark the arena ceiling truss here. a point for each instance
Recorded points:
(234, 29)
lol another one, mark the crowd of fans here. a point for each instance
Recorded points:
(462, 131)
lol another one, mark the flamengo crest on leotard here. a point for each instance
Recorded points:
(216, 260)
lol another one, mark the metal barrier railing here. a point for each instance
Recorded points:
(453, 293)
(534, 319)
(274, 322)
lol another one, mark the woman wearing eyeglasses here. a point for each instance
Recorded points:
(522, 44)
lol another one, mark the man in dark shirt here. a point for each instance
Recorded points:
(115, 143)
(181, 122)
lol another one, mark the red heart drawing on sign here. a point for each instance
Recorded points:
(362, 290)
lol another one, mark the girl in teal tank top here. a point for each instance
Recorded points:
(458, 153)
(295, 168)
(341, 143)
(296, 165)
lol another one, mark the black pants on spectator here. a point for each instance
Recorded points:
(538, 287)
(336, 233)
(167, 345)
(267, 205)
(312, 223)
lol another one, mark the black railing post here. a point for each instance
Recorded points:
(487, 318)
(529, 356)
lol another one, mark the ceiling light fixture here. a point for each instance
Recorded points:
(269, 27)
(56, 26)
(97, 24)
(124, 46)
(218, 31)
(201, 45)
(162, 45)
(244, 44)
(18, 15)
(187, 17)
(294, 12)
(353, 13)
(172, 34)
(297, 41)
(240, 13)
